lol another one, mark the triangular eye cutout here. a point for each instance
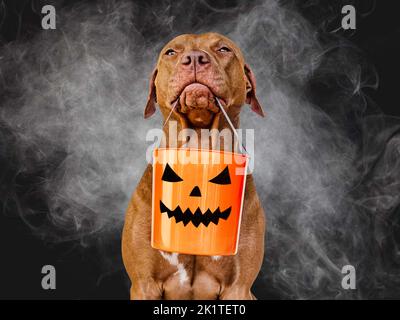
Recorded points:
(169, 175)
(222, 178)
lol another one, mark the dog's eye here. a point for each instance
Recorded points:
(224, 49)
(170, 175)
(222, 178)
(170, 52)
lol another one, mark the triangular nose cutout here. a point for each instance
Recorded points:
(195, 192)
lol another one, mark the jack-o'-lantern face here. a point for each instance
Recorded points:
(198, 216)
(197, 200)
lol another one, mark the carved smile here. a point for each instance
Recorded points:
(197, 217)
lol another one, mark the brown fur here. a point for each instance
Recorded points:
(227, 76)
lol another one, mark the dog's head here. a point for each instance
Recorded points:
(194, 69)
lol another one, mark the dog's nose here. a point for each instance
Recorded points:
(195, 192)
(198, 59)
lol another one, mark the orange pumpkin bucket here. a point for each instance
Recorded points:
(197, 200)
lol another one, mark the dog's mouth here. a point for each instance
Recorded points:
(197, 102)
(177, 96)
(196, 218)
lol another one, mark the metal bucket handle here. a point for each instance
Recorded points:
(241, 146)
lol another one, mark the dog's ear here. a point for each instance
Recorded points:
(251, 97)
(151, 98)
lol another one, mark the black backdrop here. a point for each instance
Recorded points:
(79, 275)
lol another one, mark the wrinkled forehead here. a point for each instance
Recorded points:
(188, 42)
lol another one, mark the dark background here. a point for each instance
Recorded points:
(79, 270)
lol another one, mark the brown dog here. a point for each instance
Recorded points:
(191, 71)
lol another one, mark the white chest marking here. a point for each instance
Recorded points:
(215, 258)
(172, 258)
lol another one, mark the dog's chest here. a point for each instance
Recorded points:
(183, 272)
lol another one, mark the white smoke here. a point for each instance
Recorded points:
(73, 99)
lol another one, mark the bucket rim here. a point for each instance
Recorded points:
(202, 150)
